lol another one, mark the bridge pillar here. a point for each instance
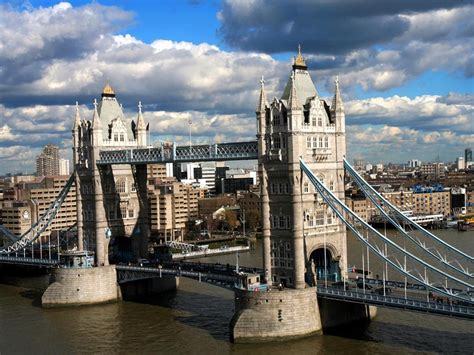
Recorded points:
(77, 286)
(140, 245)
(274, 315)
(80, 221)
(101, 237)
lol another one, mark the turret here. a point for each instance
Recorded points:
(337, 108)
(263, 116)
(141, 127)
(96, 127)
(294, 107)
(76, 134)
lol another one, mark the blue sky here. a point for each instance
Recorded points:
(406, 69)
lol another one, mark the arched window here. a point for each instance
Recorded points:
(276, 119)
(120, 186)
(123, 211)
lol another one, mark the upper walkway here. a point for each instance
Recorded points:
(180, 154)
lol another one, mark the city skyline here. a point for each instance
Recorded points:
(407, 87)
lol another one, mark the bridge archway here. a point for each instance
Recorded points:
(326, 262)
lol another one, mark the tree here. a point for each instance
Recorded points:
(252, 219)
(231, 219)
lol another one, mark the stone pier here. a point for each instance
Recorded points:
(290, 313)
(81, 286)
(266, 316)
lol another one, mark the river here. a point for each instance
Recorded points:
(195, 320)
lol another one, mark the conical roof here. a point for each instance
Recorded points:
(302, 82)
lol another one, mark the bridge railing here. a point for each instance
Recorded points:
(138, 272)
(27, 261)
(454, 309)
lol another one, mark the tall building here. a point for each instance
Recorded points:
(414, 163)
(63, 166)
(435, 170)
(460, 163)
(359, 164)
(47, 163)
(468, 155)
(208, 174)
(26, 202)
(172, 206)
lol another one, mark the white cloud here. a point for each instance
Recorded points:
(424, 113)
(50, 57)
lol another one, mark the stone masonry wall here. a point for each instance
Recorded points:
(261, 316)
(77, 286)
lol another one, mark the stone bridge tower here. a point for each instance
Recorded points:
(111, 200)
(298, 227)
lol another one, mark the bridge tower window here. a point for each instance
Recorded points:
(276, 143)
(319, 218)
(120, 185)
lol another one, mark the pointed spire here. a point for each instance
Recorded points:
(140, 120)
(299, 62)
(337, 100)
(262, 101)
(96, 119)
(77, 119)
(293, 99)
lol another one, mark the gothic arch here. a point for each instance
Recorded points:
(329, 246)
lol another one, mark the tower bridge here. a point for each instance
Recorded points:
(300, 149)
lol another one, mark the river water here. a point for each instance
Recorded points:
(195, 320)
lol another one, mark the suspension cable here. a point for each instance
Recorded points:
(354, 173)
(328, 199)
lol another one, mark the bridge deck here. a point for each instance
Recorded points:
(28, 261)
(410, 304)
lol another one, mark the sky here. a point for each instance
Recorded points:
(405, 70)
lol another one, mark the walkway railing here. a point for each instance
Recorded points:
(183, 154)
(28, 261)
(453, 310)
(131, 273)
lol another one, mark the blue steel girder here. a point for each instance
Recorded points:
(40, 226)
(388, 210)
(180, 154)
(340, 209)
